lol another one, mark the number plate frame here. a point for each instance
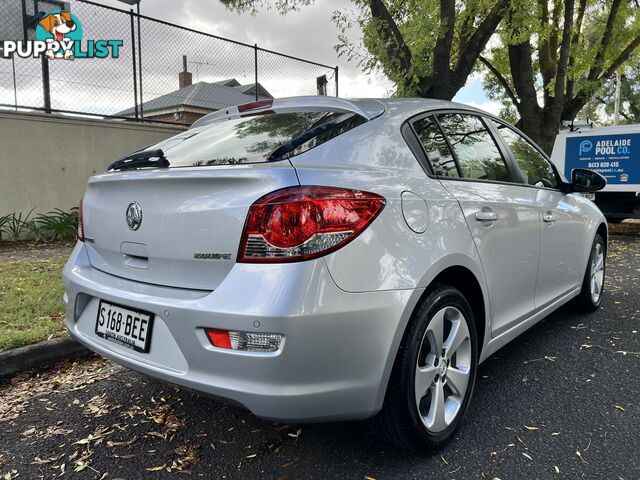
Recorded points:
(589, 196)
(135, 312)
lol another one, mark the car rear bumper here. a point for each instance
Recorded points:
(333, 364)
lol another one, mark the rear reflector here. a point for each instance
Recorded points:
(301, 223)
(244, 341)
(219, 338)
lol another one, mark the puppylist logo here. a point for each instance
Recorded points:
(59, 36)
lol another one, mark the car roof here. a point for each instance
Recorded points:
(412, 106)
(368, 108)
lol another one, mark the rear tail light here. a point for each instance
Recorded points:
(80, 221)
(301, 223)
(244, 341)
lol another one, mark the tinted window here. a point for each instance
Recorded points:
(477, 153)
(535, 168)
(256, 139)
(436, 148)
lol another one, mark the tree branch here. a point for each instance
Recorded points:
(574, 105)
(476, 43)
(442, 50)
(596, 69)
(621, 58)
(523, 77)
(547, 49)
(396, 47)
(565, 51)
(501, 80)
(577, 30)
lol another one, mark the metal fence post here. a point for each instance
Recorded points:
(336, 80)
(255, 50)
(46, 84)
(140, 61)
(133, 52)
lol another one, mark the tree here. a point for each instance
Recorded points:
(555, 55)
(604, 101)
(428, 48)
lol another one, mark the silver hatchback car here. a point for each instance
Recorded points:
(317, 259)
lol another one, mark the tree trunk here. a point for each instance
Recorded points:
(541, 126)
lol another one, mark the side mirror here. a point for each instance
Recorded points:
(583, 180)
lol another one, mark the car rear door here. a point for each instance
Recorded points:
(564, 248)
(502, 215)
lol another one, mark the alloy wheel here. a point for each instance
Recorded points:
(443, 369)
(597, 272)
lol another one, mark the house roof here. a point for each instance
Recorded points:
(205, 95)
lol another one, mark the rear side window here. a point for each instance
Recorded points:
(477, 153)
(535, 168)
(436, 148)
(256, 139)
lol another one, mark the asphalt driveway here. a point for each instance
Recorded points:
(562, 401)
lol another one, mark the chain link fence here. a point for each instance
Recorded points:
(164, 72)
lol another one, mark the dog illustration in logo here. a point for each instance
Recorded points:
(58, 25)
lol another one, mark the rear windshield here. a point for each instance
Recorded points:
(256, 139)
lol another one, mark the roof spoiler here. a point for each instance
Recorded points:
(367, 108)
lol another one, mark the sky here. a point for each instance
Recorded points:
(105, 86)
(308, 33)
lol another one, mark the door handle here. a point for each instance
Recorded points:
(549, 217)
(486, 216)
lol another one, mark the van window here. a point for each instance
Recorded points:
(256, 139)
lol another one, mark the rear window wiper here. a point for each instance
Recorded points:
(284, 150)
(140, 159)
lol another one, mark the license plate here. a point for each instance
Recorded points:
(126, 327)
(589, 196)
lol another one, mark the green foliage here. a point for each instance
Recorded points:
(602, 106)
(58, 224)
(426, 47)
(527, 22)
(16, 226)
(3, 221)
(551, 57)
(43, 227)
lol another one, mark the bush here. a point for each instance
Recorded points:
(3, 222)
(43, 228)
(17, 227)
(57, 224)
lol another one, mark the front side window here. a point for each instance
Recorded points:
(436, 148)
(478, 155)
(535, 168)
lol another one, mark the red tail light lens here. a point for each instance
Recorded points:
(80, 222)
(301, 223)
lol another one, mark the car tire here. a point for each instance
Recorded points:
(587, 300)
(409, 418)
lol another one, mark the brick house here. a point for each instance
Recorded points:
(194, 100)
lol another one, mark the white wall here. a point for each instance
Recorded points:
(45, 160)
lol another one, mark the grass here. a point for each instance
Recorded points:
(31, 306)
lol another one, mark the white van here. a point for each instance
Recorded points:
(614, 152)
